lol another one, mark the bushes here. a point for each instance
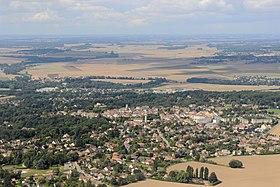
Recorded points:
(213, 178)
(235, 164)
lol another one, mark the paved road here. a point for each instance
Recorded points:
(163, 138)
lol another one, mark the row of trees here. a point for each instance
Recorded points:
(187, 176)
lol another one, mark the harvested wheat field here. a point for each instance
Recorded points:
(123, 81)
(158, 51)
(144, 70)
(78, 70)
(259, 171)
(213, 87)
(155, 183)
(98, 69)
(4, 76)
(9, 60)
(275, 130)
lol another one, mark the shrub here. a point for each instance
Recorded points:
(213, 178)
(235, 164)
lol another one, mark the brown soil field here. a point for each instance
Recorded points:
(258, 171)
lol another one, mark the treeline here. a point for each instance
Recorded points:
(257, 46)
(13, 69)
(41, 51)
(87, 82)
(174, 47)
(244, 80)
(251, 59)
(121, 77)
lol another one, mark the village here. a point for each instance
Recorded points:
(144, 140)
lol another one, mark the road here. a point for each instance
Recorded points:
(163, 138)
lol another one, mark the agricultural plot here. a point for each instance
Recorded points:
(158, 51)
(258, 171)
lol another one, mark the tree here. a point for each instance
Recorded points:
(74, 174)
(172, 175)
(139, 175)
(235, 164)
(7, 180)
(41, 181)
(201, 173)
(73, 156)
(56, 171)
(42, 164)
(118, 168)
(80, 143)
(131, 178)
(28, 162)
(196, 173)
(206, 173)
(213, 178)
(190, 171)
(2, 159)
(101, 185)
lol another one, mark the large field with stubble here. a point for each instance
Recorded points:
(157, 50)
(152, 60)
(177, 70)
(4, 76)
(259, 171)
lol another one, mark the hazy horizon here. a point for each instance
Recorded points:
(140, 17)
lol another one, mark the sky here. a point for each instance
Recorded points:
(90, 17)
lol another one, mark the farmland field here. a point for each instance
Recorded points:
(9, 60)
(176, 70)
(157, 50)
(258, 171)
(174, 62)
(156, 183)
(123, 81)
(216, 87)
(4, 76)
